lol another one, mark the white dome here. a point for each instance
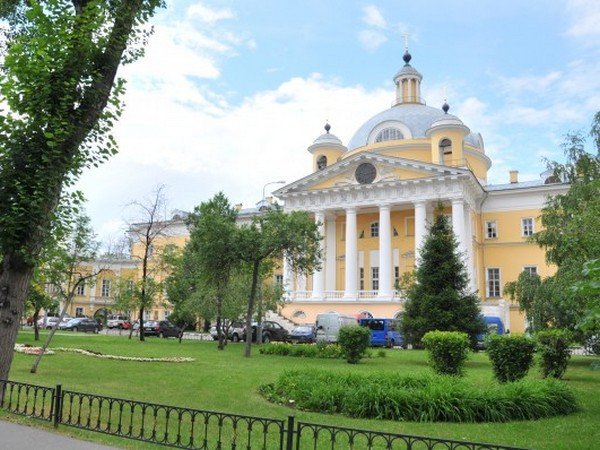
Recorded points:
(415, 118)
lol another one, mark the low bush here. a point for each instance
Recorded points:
(511, 356)
(354, 341)
(448, 351)
(553, 348)
(320, 350)
(429, 398)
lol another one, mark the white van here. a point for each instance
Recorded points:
(328, 325)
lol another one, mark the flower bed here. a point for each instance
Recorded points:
(20, 348)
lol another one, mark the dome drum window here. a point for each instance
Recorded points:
(389, 134)
(321, 162)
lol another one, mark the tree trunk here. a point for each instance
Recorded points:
(220, 336)
(250, 310)
(14, 285)
(38, 358)
(142, 337)
(36, 328)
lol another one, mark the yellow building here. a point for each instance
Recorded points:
(375, 197)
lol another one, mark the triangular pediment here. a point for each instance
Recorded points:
(387, 169)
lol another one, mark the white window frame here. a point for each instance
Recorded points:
(374, 229)
(406, 219)
(105, 288)
(524, 228)
(396, 275)
(493, 228)
(279, 279)
(375, 278)
(79, 311)
(361, 278)
(80, 289)
(489, 293)
(533, 270)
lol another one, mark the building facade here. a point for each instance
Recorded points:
(374, 198)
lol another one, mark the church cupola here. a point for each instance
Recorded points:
(326, 150)
(408, 82)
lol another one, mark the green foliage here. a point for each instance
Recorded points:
(448, 351)
(566, 235)
(320, 350)
(511, 356)
(392, 396)
(589, 288)
(440, 300)
(553, 348)
(354, 341)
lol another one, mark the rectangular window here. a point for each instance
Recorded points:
(279, 280)
(375, 229)
(493, 282)
(491, 230)
(129, 285)
(396, 275)
(80, 289)
(78, 312)
(105, 288)
(375, 278)
(146, 315)
(410, 226)
(361, 278)
(527, 226)
(167, 314)
(531, 270)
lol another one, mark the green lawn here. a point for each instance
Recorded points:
(226, 381)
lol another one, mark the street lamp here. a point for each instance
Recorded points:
(269, 183)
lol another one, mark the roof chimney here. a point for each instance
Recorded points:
(514, 176)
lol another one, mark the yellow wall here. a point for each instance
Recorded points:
(332, 156)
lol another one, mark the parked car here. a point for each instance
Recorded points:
(49, 322)
(384, 332)
(118, 321)
(81, 324)
(271, 331)
(304, 334)
(237, 332)
(161, 328)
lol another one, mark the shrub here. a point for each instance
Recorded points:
(354, 341)
(419, 398)
(448, 351)
(511, 356)
(553, 347)
(302, 351)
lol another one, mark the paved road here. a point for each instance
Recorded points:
(22, 437)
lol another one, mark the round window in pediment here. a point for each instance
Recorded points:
(365, 173)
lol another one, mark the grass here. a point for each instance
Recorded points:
(226, 381)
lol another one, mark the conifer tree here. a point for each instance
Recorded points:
(440, 300)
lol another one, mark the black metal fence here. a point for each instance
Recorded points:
(188, 428)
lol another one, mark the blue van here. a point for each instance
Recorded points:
(384, 332)
(494, 325)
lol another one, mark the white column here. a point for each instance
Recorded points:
(458, 225)
(469, 244)
(385, 252)
(410, 90)
(287, 279)
(318, 286)
(330, 248)
(420, 227)
(350, 286)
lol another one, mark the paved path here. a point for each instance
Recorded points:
(22, 437)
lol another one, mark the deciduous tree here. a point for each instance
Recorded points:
(60, 97)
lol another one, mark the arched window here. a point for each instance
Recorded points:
(321, 162)
(389, 134)
(365, 315)
(445, 150)
(299, 315)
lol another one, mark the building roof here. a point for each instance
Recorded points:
(418, 118)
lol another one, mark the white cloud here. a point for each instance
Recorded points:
(371, 39)
(207, 14)
(585, 15)
(372, 16)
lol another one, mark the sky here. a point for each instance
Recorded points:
(231, 93)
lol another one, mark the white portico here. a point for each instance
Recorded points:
(361, 262)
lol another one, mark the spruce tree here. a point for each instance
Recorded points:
(439, 299)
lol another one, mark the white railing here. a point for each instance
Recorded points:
(370, 296)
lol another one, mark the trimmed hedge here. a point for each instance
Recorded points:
(511, 356)
(553, 347)
(432, 398)
(354, 341)
(448, 351)
(319, 350)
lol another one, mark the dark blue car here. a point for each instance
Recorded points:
(494, 325)
(303, 335)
